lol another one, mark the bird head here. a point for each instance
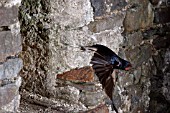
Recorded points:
(123, 65)
(126, 65)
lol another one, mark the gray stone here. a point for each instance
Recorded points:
(72, 13)
(69, 93)
(8, 15)
(99, 109)
(11, 68)
(88, 87)
(139, 55)
(12, 106)
(138, 16)
(111, 38)
(10, 3)
(9, 45)
(107, 23)
(134, 39)
(126, 80)
(92, 99)
(9, 92)
(137, 75)
(102, 8)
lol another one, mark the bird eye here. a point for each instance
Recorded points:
(118, 64)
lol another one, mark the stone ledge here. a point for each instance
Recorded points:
(56, 104)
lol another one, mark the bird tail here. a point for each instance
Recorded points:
(114, 107)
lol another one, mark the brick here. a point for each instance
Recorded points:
(84, 74)
(8, 15)
(9, 45)
(10, 68)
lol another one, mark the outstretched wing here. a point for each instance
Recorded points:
(104, 62)
(103, 67)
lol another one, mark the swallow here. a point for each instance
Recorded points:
(104, 61)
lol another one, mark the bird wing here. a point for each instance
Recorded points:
(103, 69)
(104, 61)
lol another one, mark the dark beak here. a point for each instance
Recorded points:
(128, 67)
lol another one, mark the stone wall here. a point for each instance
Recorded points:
(56, 73)
(10, 64)
(159, 93)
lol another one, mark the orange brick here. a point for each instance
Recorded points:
(84, 74)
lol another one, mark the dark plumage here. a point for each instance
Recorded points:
(104, 61)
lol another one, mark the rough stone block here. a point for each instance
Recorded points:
(102, 7)
(9, 45)
(9, 92)
(107, 23)
(72, 13)
(10, 68)
(8, 15)
(134, 39)
(161, 42)
(139, 16)
(99, 109)
(10, 3)
(138, 55)
(111, 38)
(162, 15)
(69, 93)
(92, 99)
(71, 54)
(12, 106)
(99, 6)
